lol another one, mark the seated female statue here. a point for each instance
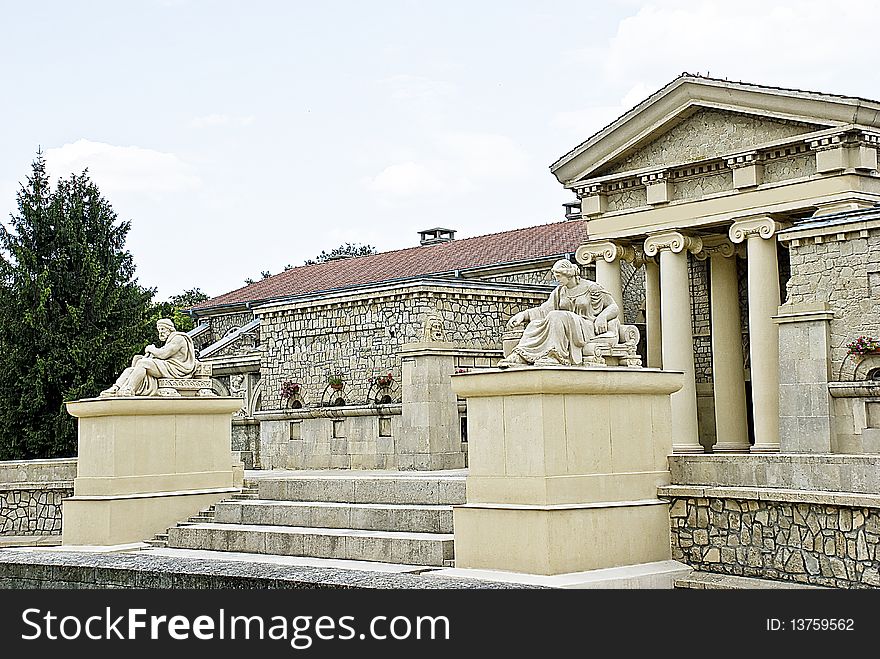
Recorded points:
(565, 329)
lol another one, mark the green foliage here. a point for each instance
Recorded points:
(344, 251)
(174, 308)
(72, 314)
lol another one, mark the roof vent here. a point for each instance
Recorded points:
(432, 236)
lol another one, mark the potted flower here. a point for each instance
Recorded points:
(335, 382)
(289, 389)
(382, 381)
(864, 345)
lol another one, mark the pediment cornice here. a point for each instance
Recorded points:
(687, 95)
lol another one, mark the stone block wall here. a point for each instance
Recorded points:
(331, 438)
(805, 518)
(840, 265)
(30, 495)
(358, 336)
(793, 536)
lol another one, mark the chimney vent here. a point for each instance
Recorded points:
(432, 236)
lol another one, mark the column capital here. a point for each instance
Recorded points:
(716, 245)
(605, 249)
(762, 226)
(674, 241)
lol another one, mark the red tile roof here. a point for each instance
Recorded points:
(546, 240)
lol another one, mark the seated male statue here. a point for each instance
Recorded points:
(175, 359)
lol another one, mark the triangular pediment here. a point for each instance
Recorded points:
(694, 119)
(707, 133)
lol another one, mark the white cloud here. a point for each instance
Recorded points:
(122, 168)
(750, 40)
(214, 120)
(457, 163)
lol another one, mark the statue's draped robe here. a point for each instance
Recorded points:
(180, 365)
(563, 325)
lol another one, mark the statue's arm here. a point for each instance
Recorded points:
(535, 313)
(609, 312)
(173, 345)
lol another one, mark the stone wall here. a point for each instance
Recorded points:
(794, 537)
(356, 437)
(812, 519)
(358, 335)
(30, 495)
(842, 267)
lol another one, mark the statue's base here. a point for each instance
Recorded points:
(564, 466)
(145, 464)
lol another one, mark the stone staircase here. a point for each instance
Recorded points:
(249, 491)
(390, 517)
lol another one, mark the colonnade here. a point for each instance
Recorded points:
(668, 317)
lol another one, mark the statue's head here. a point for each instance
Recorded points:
(165, 326)
(565, 268)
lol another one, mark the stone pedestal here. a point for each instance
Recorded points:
(144, 464)
(430, 435)
(564, 466)
(805, 406)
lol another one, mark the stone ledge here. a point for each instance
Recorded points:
(712, 581)
(64, 569)
(39, 485)
(849, 499)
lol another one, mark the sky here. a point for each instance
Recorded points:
(242, 137)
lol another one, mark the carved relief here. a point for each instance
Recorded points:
(708, 134)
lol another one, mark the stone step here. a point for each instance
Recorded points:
(397, 489)
(715, 581)
(434, 549)
(323, 514)
(201, 518)
(246, 494)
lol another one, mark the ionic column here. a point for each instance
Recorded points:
(763, 287)
(607, 256)
(678, 338)
(731, 422)
(653, 327)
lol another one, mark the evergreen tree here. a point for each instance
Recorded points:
(174, 308)
(72, 314)
(344, 251)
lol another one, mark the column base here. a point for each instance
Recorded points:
(731, 447)
(689, 449)
(764, 448)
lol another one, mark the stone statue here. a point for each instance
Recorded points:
(433, 329)
(175, 359)
(577, 325)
